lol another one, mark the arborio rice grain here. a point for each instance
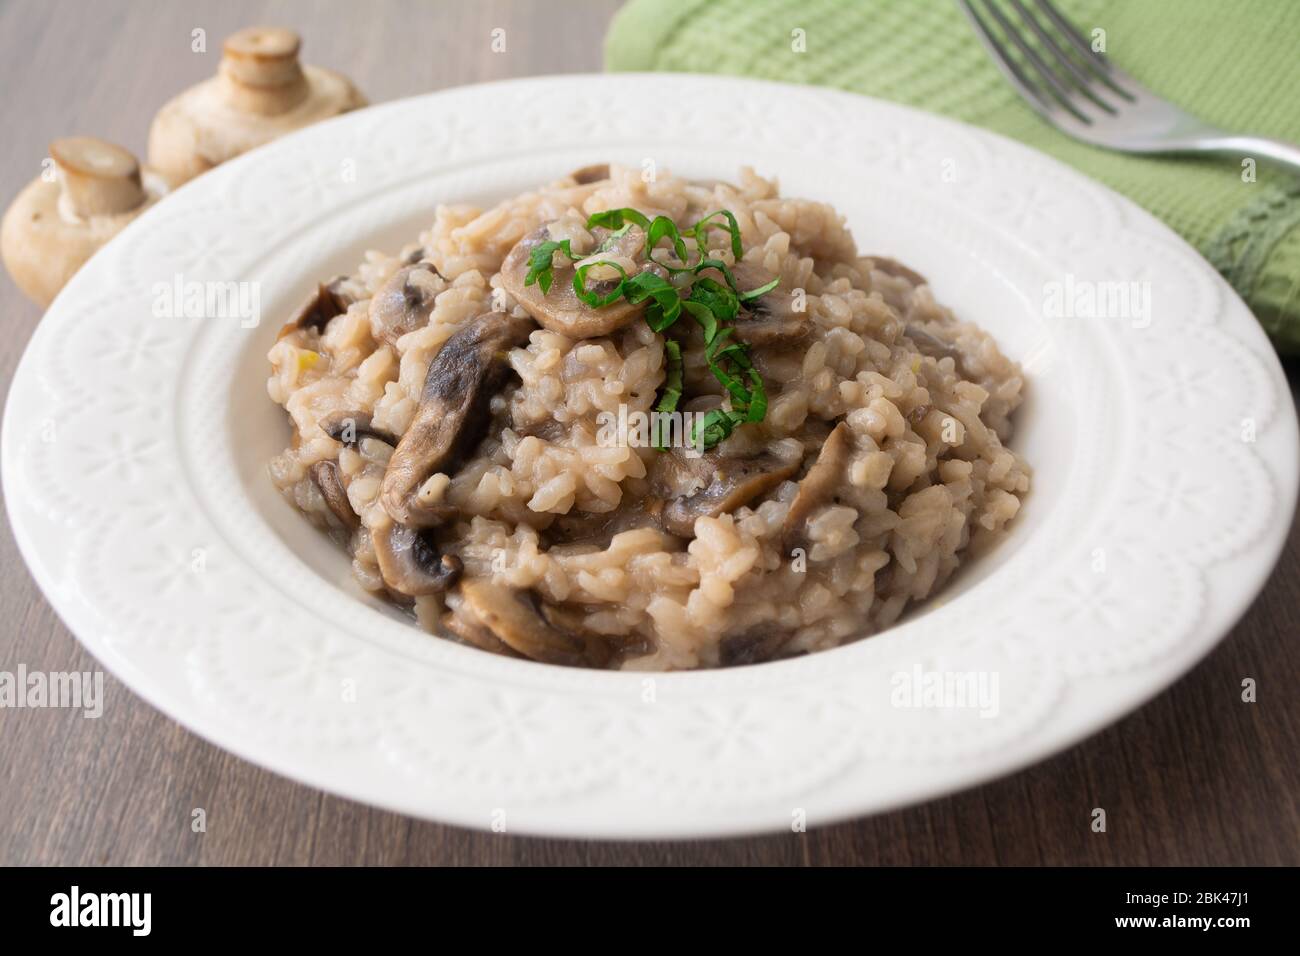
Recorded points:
(886, 415)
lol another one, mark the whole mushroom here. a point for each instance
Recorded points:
(260, 92)
(58, 222)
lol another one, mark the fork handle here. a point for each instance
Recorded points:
(1287, 154)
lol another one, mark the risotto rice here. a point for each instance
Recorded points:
(477, 442)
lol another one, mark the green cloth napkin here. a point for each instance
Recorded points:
(1236, 65)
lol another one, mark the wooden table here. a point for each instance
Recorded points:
(1196, 777)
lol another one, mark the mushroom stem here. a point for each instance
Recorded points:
(260, 72)
(96, 178)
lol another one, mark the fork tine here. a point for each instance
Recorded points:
(1099, 64)
(1007, 66)
(1083, 81)
(1059, 89)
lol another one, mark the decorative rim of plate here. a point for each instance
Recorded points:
(135, 534)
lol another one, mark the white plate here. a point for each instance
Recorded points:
(134, 468)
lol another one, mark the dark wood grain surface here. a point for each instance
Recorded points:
(1195, 777)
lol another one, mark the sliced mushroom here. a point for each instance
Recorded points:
(771, 319)
(597, 172)
(410, 561)
(476, 634)
(730, 484)
(560, 310)
(587, 530)
(404, 302)
(350, 427)
(462, 378)
(770, 332)
(260, 92)
(547, 429)
(754, 646)
(330, 299)
(56, 223)
(329, 480)
(892, 267)
(822, 479)
(932, 345)
(571, 619)
(514, 618)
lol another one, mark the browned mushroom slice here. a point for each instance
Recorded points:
(892, 267)
(325, 303)
(571, 619)
(771, 332)
(932, 345)
(410, 562)
(818, 486)
(462, 378)
(771, 319)
(350, 427)
(560, 310)
(476, 634)
(590, 174)
(513, 617)
(760, 332)
(754, 646)
(729, 484)
(330, 482)
(404, 302)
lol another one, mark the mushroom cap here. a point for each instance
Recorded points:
(560, 310)
(261, 92)
(410, 561)
(53, 226)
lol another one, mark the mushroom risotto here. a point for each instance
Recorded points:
(647, 425)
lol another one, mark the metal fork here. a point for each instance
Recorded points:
(1084, 95)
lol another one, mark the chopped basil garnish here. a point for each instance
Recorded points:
(541, 262)
(673, 381)
(712, 304)
(672, 390)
